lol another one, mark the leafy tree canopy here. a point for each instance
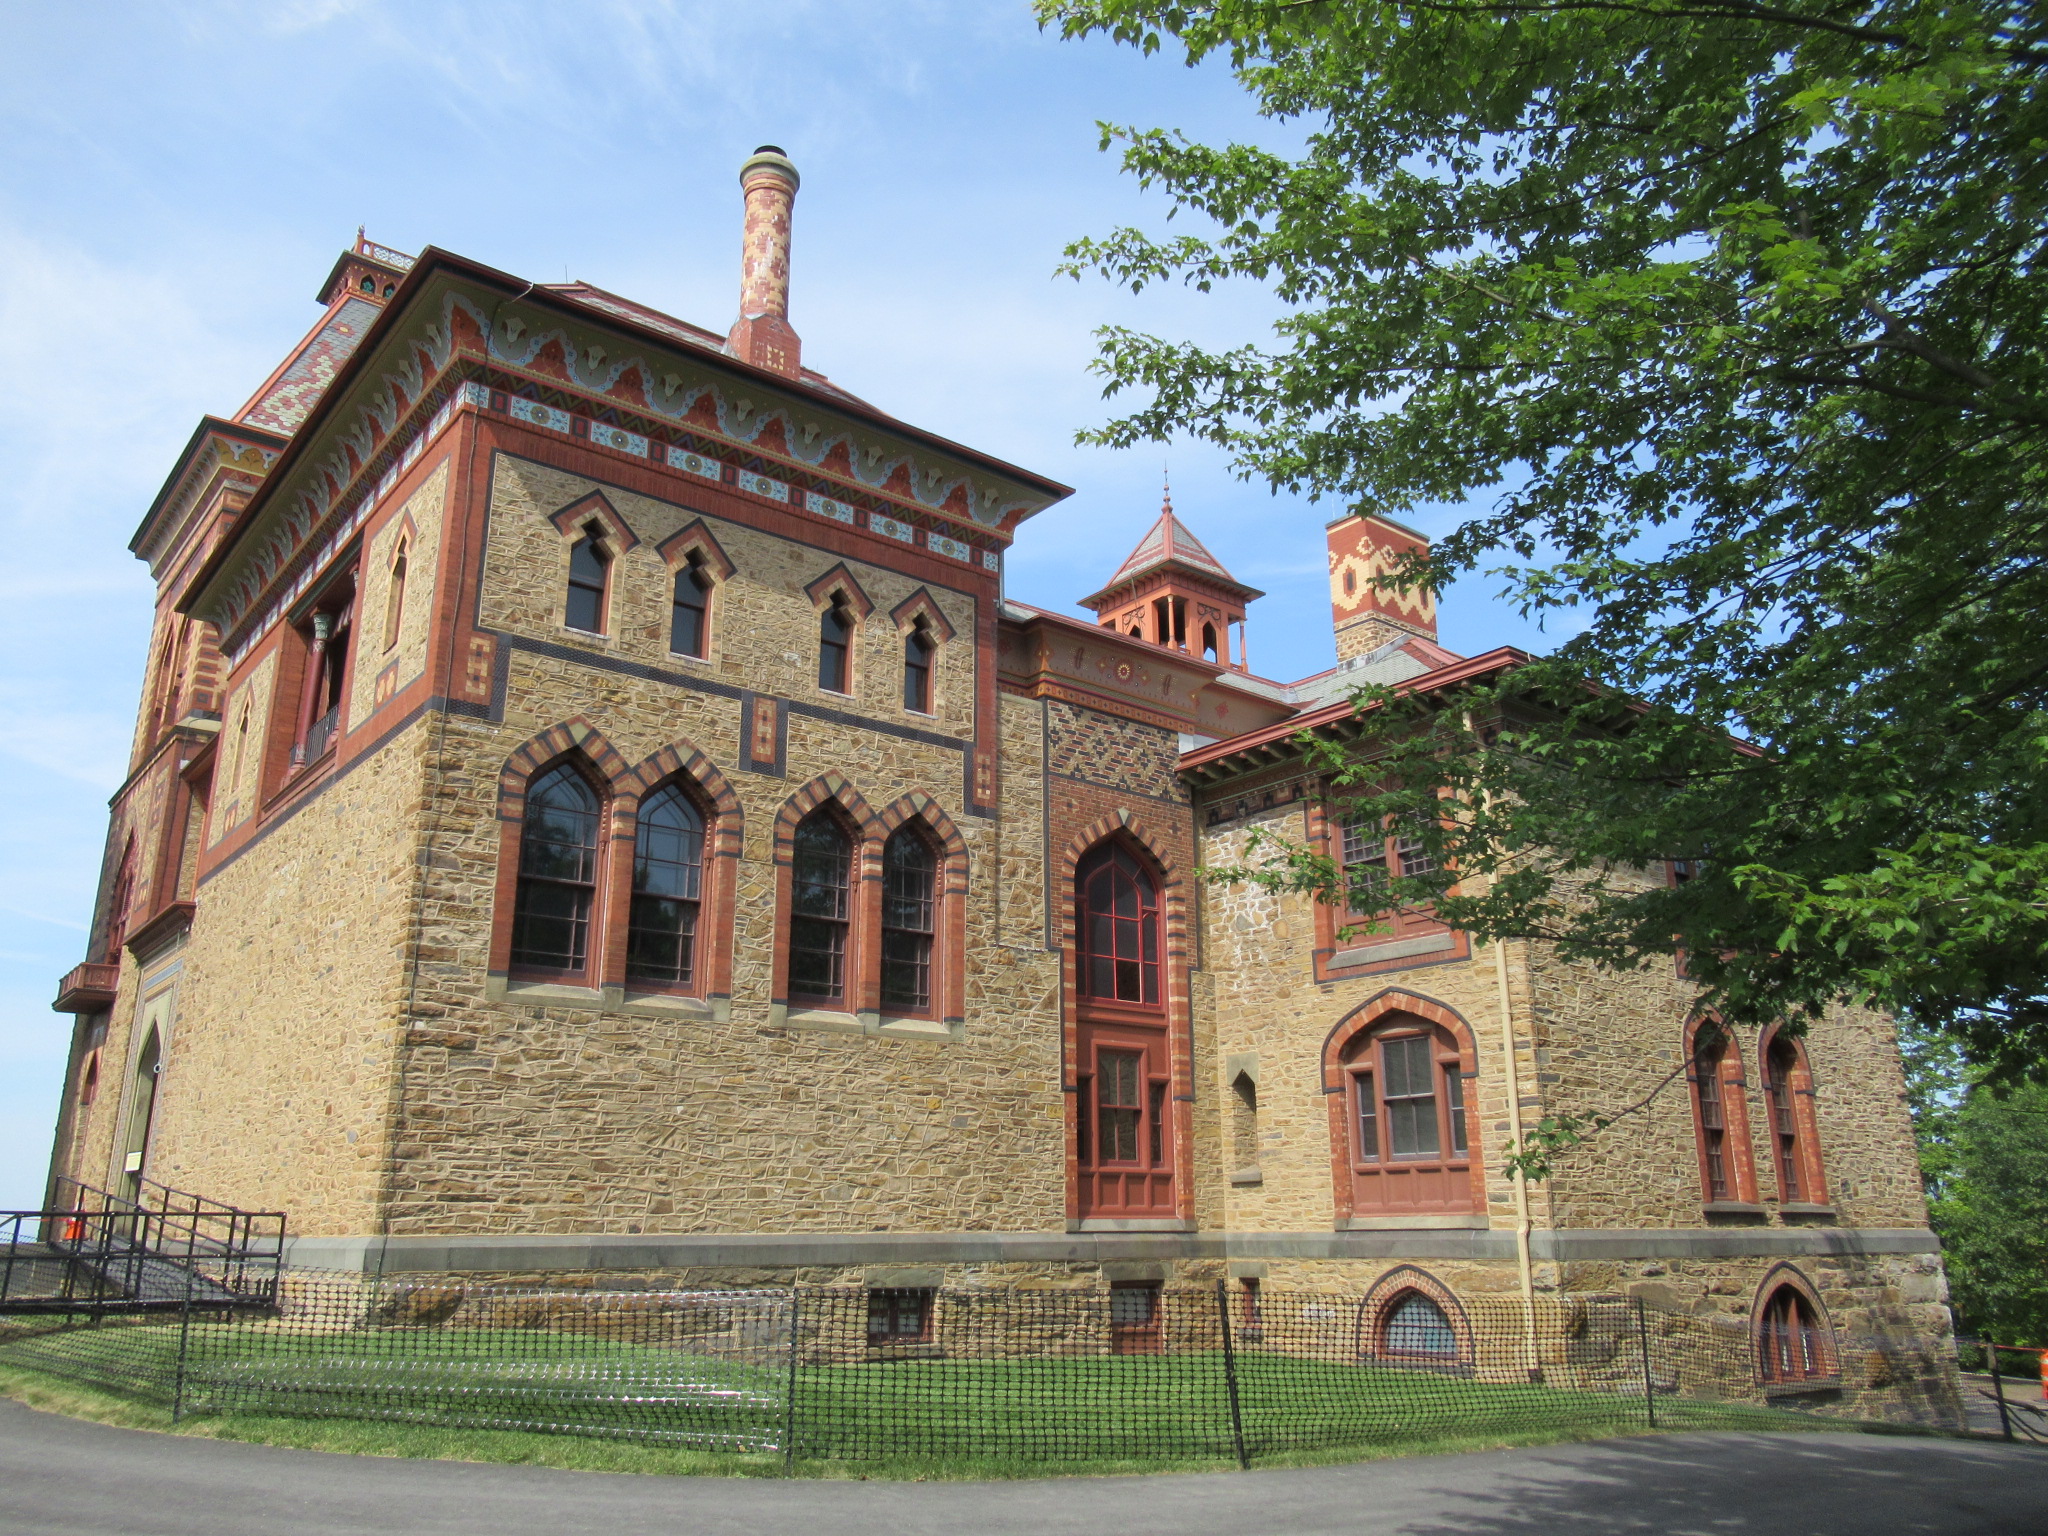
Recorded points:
(1730, 315)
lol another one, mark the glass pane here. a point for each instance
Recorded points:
(1411, 1127)
(1132, 1306)
(1454, 1106)
(1417, 1326)
(1407, 1065)
(1368, 1119)
(817, 958)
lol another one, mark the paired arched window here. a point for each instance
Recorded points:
(835, 646)
(689, 625)
(1117, 927)
(558, 868)
(668, 882)
(1407, 1133)
(910, 888)
(918, 646)
(820, 909)
(589, 575)
(1792, 1340)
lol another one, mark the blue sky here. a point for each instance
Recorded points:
(179, 178)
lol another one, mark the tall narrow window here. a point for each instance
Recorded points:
(394, 599)
(689, 625)
(910, 872)
(589, 566)
(821, 874)
(1118, 926)
(1208, 642)
(557, 874)
(1708, 1049)
(1781, 1066)
(835, 646)
(918, 646)
(1363, 851)
(668, 873)
(1119, 1108)
(1410, 1098)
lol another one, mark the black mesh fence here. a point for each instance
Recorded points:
(1127, 1374)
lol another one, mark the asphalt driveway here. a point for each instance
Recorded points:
(60, 1477)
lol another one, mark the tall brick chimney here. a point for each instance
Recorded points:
(762, 335)
(1366, 615)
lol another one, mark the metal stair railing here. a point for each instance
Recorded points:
(169, 1249)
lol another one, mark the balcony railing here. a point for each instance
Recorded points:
(320, 735)
(87, 988)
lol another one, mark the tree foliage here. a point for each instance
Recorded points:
(1730, 316)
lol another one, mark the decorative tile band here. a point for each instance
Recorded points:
(889, 528)
(825, 506)
(535, 414)
(945, 546)
(619, 438)
(695, 464)
(991, 560)
(761, 485)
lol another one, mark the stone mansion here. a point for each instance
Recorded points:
(595, 808)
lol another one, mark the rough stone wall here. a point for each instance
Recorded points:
(529, 1111)
(276, 1089)
(1268, 1002)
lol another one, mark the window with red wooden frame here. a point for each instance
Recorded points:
(583, 607)
(1788, 1091)
(910, 881)
(1409, 1137)
(835, 646)
(1710, 1102)
(820, 909)
(668, 882)
(899, 1316)
(689, 625)
(918, 647)
(1792, 1342)
(1117, 928)
(555, 908)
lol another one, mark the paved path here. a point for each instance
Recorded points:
(60, 1477)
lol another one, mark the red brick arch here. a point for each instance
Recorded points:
(1738, 1159)
(1368, 1015)
(1376, 1311)
(1780, 1276)
(575, 737)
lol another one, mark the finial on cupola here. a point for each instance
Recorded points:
(762, 335)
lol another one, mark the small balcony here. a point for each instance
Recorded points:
(87, 988)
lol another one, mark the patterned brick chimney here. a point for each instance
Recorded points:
(762, 335)
(1367, 616)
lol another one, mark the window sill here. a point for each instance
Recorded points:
(1247, 1176)
(1393, 949)
(908, 1028)
(675, 1005)
(695, 661)
(1732, 1208)
(1445, 1222)
(510, 990)
(823, 1020)
(1816, 1386)
(1131, 1224)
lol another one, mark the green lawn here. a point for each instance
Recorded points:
(900, 1417)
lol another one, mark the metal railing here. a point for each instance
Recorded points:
(161, 1250)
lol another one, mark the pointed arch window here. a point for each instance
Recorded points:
(1118, 927)
(835, 646)
(1792, 1341)
(918, 646)
(820, 909)
(668, 879)
(589, 576)
(1710, 1048)
(910, 879)
(1788, 1095)
(394, 600)
(689, 625)
(558, 874)
(1408, 1134)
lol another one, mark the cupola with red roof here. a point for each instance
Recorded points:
(1171, 591)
